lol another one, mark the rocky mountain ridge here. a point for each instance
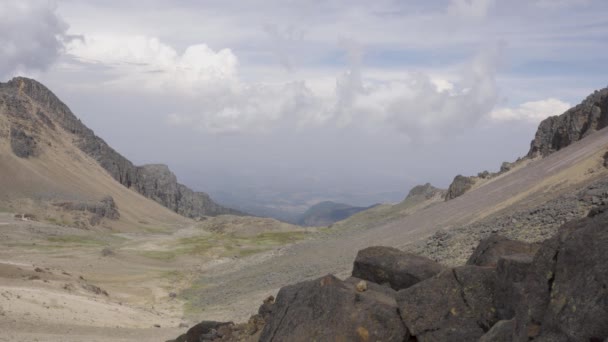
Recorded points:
(553, 134)
(559, 131)
(156, 182)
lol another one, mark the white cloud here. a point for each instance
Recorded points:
(211, 96)
(533, 111)
(148, 61)
(32, 36)
(419, 106)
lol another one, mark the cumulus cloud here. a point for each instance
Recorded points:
(419, 106)
(204, 84)
(533, 111)
(141, 60)
(210, 94)
(32, 36)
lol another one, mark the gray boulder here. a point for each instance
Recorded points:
(490, 249)
(390, 266)
(566, 296)
(328, 309)
(456, 305)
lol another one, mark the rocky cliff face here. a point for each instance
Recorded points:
(553, 134)
(153, 181)
(157, 182)
(557, 132)
(459, 186)
(425, 192)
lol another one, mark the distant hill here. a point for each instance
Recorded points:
(419, 197)
(328, 212)
(52, 163)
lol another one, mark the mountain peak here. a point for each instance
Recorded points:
(36, 91)
(28, 100)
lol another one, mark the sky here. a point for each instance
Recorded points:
(299, 101)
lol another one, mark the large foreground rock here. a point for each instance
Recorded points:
(328, 309)
(491, 249)
(566, 289)
(456, 305)
(399, 270)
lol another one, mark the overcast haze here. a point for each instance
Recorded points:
(311, 100)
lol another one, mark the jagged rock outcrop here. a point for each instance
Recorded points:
(557, 132)
(390, 266)
(426, 191)
(155, 182)
(459, 186)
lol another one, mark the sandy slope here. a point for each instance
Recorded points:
(53, 278)
(56, 293)
(62, 172)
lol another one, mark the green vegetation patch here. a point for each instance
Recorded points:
(226, 245)
(75, 240)
(237, 245)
